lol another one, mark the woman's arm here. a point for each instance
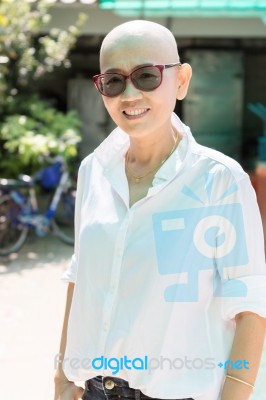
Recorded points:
(65, 389)
(63, 340)
(247, 345)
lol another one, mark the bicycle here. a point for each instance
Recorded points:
(19, 208)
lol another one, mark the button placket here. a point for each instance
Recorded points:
(114, 280)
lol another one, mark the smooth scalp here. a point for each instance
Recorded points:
(143, 32)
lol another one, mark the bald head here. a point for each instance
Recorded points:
(145, 33)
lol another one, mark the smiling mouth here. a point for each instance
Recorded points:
(135, 112)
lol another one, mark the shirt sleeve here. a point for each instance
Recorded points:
(70, 274)
(243, 283)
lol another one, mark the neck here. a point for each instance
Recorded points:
(148, 152)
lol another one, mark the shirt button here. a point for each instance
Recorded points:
(109, 384)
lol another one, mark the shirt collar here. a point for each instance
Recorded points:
(113, 149)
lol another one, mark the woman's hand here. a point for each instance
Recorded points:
(65, 389)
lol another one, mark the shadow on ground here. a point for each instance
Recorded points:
(35, 252)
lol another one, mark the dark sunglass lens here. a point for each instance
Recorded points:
(147, 78)
(111, 84)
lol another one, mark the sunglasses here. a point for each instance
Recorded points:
(112, 84)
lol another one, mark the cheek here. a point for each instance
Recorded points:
(112, 109)
(106, 102)
(167, 95)
(109, 104)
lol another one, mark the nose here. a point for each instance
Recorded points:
(131, 92)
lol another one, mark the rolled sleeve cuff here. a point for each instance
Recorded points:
(70, 275)
(244, 294)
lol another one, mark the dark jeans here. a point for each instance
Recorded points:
(110, 388)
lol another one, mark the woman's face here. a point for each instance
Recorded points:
(137, 112)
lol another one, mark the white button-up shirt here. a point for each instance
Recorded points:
(158, 284)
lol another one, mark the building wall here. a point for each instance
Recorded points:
(101, 21)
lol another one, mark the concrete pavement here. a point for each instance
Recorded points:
(32, 300)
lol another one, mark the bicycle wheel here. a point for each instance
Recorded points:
(63, 221)
(12, 232)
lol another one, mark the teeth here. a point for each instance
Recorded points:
(136, 112)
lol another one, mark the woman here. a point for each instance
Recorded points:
(166, 293)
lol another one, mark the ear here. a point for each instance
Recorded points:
(184, 76)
